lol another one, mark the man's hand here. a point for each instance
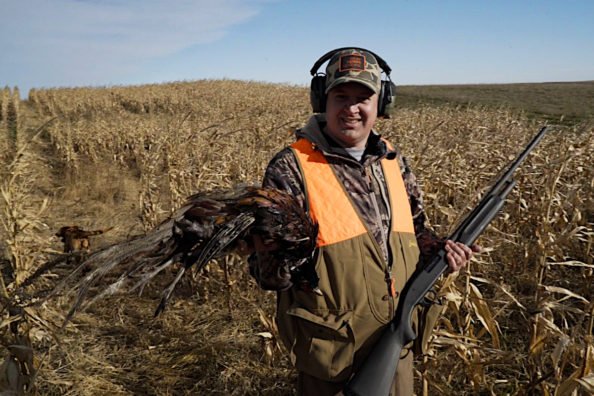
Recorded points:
(459, 254)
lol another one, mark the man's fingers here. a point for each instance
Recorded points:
(458, 249)
(458, 254)
(463, 250)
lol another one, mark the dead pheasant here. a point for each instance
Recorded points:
(245, 220)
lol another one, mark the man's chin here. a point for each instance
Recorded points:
(349, 131)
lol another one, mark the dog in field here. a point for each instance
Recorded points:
(77, 239)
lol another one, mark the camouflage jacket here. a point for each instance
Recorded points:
(363, 181)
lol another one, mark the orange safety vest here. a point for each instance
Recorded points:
(331, 207)
(328, 335)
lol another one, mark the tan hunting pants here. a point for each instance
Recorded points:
(403, 384)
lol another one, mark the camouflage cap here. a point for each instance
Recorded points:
(353, 65)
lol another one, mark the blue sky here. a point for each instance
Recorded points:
(48, 43)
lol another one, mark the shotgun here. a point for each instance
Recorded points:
(375, 376)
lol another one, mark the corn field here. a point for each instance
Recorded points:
(518, 321)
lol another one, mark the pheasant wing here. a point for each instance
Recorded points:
(226, 235)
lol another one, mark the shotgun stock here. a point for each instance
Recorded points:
(375, 376)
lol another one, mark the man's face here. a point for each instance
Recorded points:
(351, 111)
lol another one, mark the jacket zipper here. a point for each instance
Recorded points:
(390, 288)
(388, 271)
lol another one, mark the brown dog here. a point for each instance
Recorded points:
(75, 238)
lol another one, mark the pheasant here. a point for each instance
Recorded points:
(247, 220)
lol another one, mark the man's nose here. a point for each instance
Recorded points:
(351, 106)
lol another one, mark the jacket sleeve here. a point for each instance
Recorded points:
(429, 243)
(283, 174)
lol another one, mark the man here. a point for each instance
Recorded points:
(368, 206)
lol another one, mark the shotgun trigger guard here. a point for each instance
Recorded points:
(430, 299)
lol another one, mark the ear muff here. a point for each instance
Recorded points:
(386, 98)
(317, 94)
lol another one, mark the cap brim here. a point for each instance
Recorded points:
(346, 79)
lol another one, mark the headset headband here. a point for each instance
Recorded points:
(382, 63)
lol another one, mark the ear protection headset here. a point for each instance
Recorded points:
(317, 94)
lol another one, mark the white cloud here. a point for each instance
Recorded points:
(69, 42)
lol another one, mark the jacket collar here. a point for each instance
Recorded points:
(376, 148)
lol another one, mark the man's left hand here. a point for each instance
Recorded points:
(458, 254)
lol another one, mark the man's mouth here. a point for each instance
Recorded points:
(351, 122)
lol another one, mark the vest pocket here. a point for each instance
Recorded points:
(324, 343)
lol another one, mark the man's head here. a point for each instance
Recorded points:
(353, 83)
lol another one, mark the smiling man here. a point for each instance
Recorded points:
(368, 206)
(351, 111)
